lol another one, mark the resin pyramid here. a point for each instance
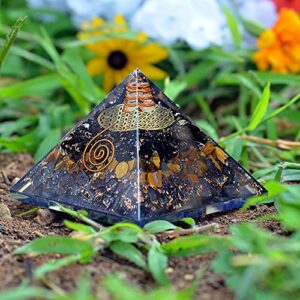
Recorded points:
(137, 157)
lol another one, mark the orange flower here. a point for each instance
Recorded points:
(279, 47)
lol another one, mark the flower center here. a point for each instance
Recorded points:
(117, 60)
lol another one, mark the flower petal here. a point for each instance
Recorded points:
(96, 66)
(151, 53)
(109, 80)
(152, 71)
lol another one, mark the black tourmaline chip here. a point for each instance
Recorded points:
(137, 157)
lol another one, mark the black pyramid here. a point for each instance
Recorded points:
(136, 157)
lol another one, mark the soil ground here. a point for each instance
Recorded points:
(16, 231)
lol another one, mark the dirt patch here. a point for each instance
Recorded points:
(16, 231)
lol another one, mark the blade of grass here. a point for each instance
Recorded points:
(71, 81)
(257, 117)
(261, 108)
(233, 27)
(282, 108)
(30, 87)
(11, 38)
(37, 59)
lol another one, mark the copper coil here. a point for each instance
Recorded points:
(138, 93)
(98, 153)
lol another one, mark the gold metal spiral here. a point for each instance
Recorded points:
(98, 153)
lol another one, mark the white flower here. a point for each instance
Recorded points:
(199, 23)
(263, 12)
(59, 5)
(83, 11)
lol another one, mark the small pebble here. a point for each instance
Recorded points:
(44, 217)
(2, 228)
(189, 277)
(4, 212)
(169, 270)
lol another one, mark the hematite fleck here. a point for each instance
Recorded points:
(137, 157)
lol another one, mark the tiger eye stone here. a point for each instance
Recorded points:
(121, 169)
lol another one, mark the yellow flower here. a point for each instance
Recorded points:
(116, 57)
(279, 47)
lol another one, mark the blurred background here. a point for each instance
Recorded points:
(212, 57)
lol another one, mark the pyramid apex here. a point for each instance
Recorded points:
(137, 73)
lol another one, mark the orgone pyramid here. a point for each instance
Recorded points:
(136, 157)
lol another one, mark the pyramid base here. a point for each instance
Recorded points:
(108, 218)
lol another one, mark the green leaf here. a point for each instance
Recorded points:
(157, 263)
(25, 143)
(159, 226)
(276, 78)
(208, 128)
(273, 187)
(257, 116)
(130, 252)
(173, 88)
(203, 105)
(253, 27)
(79, 227)
(125, 291)
(126, 232)
(25, 293)
(199, 72)
(80, 215)
(261, 108)
(249, 238)
(167, 293)
(126, 225)
(73, 59)
(11, 38)
(71, 81)
(282, 108)
(233, 27)
(192, 245)
(50, 140)
(234, 147)
(128, 235)
(189, 221)
(83, 291)
(220, 55)
(10, 127)
(225, 78)
(55, 264)
(38, 86)
(37, 59)
(58, 244)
